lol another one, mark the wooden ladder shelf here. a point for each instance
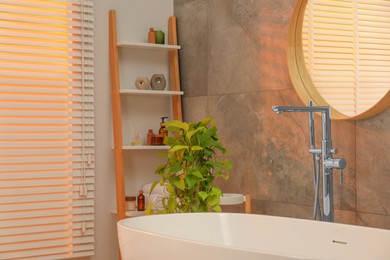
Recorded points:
(116, 101)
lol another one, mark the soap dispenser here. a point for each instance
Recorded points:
(163, 131)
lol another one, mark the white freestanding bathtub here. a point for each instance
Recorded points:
(230, 236)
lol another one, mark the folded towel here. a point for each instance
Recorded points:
(158, 189)
(156, 199)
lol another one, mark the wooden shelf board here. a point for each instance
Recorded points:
(145, 147)
(148, 46)
(150, 92)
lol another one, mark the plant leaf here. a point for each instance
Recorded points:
(175, 168)
(153, 185)
(208, 151)
(197, 174)
(228, 164)
(172, 204)
(217, 208)
(178, 147)
(189, 158)
(212, 132)
(214, 164)
(196, 148)
(170, 189)
(205, 121)
(192, 132)
(180, 184)
(177, 124)
(148, 210)
(191, 180)
(203, 195)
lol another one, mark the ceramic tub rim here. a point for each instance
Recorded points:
(213, 244)
(225, 246)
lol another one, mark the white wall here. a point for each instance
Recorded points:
(134, 17)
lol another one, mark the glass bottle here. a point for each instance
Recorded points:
(149, 137)
(151, 36)
(141, 201)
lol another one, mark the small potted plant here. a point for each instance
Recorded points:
(193, 163)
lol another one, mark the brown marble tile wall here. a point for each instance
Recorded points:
(234, 68)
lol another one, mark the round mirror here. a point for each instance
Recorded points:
(339, 55)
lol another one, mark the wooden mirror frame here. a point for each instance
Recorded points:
(301, 79)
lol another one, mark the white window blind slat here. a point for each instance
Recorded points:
(46, 175)
(42, 113)
(43, 206)
(52, 76)
(46, 151)
(39, 13)
(84, 217)
(78, 232)
(83, 210)
(18, 231)
(24, 3)
(83, 253)
(36, 182)
(35, 190)
(39, 253)
(34, 198)
(83, 203)
(12, 32)
(24, 58)
(35, 221)
(43, 105)
(36, 120)
(51, 257)
(43, 167)
(32, 42)
(33, 167)
(33, 214)
(14, 17)
(7, 145)
(81, 180)
(83, 247)
(34, 237)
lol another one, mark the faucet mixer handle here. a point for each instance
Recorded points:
(336, 163)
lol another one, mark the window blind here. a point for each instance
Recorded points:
(346, 47)
(46, 129)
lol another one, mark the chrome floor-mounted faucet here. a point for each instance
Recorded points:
(326, 152)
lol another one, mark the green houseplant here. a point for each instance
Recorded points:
(193, 163)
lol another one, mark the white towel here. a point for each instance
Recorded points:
(158, 189)
(158, 193)
(156, 199)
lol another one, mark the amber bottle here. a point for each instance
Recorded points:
(151, 36)
(141, 201)
(163, 130)
(149, 137)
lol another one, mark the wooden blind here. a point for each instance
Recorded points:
(46, 129)
(346, 46)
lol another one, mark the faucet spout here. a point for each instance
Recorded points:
(325, 110)
(281, 109)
